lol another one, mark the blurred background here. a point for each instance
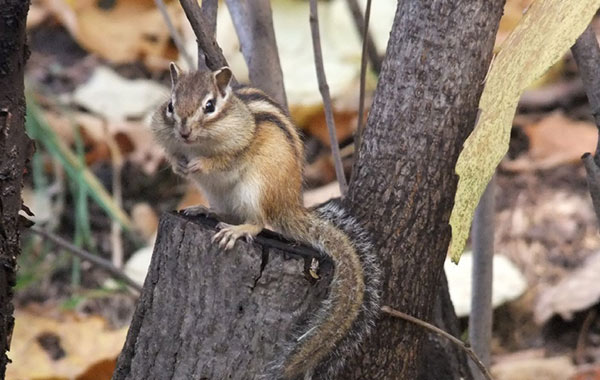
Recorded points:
(98, 69)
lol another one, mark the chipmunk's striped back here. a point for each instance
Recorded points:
(265, 109)
(243, 150)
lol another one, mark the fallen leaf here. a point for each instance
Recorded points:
(103, 370)
(546, 32)
(587, 374)
(117, 99)
(555, 140)
(577, 291)
(122, 31)
(83, 341)
(139, 262)
(345, 125)
(557, 368)
(508, 282)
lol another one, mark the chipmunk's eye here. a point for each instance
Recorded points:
(170, 108)
(209, 107)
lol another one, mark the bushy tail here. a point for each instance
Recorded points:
(336, 330)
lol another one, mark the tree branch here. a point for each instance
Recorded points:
(587, 55)
(208, 49)
(94, 259)
(432, 328)
(209, 10)
(363, 75)
(324, 89)
(480, 319)
(362, 25)
(253, 21)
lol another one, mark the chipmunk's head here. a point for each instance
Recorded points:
(202, 111)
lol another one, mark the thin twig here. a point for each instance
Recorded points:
(207, 45)
(587, 55)
(480, 318)
(94, 259)
(465, 347)
(363, 75)
(117, 190)
(259, 46)
(362, 24)
(160, 4)
(324, 89)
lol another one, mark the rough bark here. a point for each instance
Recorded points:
(442, 359)
(15, 149)
(404, 183)
(206, 314)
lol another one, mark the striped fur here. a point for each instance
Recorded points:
(247, 157)
(334, 333)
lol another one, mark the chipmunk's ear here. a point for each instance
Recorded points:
(223, 79)
(175, 71)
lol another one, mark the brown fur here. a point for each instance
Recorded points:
(252, 174)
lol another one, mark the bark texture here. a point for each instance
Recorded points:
(208, 314)
(15, 149)
(404, 183)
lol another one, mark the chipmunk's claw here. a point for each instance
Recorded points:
(229, 234)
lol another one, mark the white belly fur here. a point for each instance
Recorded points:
(234, 194)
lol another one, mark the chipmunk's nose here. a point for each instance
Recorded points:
(184, 130)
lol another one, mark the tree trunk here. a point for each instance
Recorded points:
(211, 315)
(15, 149)
(404, 183)
(208, 314)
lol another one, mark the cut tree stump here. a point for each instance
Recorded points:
(209, 314)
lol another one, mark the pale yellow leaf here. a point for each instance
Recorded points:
(546, 32)
(83, 341)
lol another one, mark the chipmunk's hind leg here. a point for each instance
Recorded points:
(229, 234)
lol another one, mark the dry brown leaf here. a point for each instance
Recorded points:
(135, 139)
(587, 374)
(553, 141)
(130, 30)
(345, 125)
(577, 291)
(81, 341)
(103, 370)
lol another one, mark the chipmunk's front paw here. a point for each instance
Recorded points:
(197, 165)
(180, 166)
(229, 234)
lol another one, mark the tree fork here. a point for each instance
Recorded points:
(403, 183)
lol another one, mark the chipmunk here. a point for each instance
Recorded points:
(241, 148)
